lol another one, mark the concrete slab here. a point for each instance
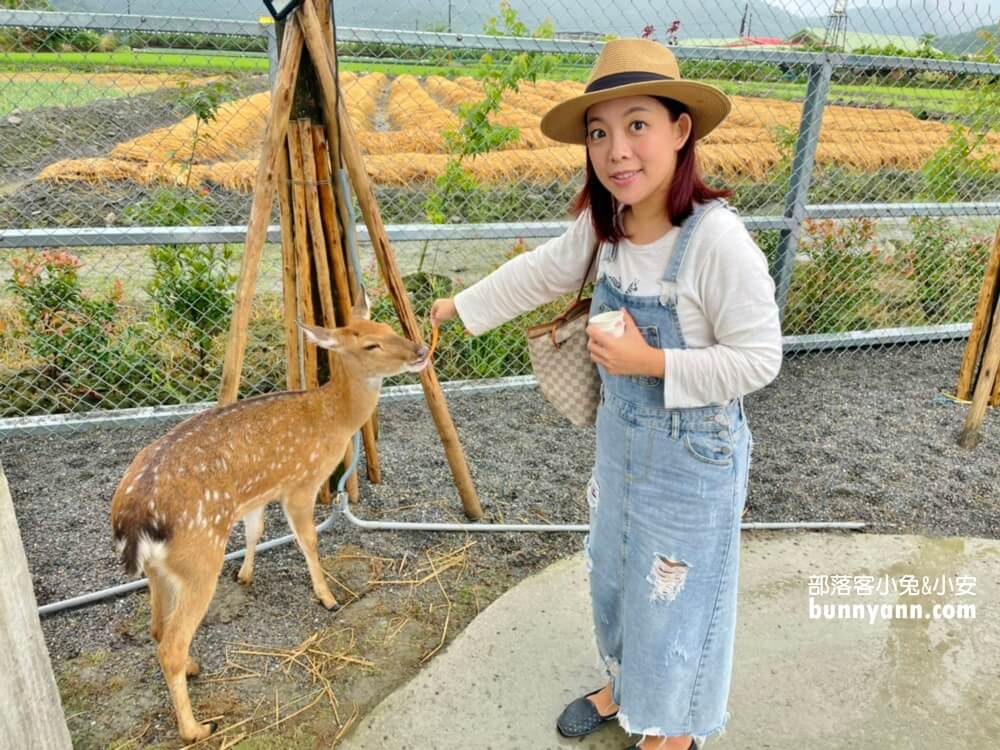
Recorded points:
(798, 681)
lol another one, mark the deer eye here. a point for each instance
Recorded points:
(372, 347)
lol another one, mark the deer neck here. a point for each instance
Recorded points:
(350, 395)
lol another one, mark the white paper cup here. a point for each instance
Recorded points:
(612, 322)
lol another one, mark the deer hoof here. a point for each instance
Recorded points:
(203, 731)
(244, 579)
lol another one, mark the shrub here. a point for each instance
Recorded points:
(192, 288)
(192, 291)
(945, 267)
(79, 337)
(832, 290)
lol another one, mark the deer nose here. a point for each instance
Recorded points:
(422, 351)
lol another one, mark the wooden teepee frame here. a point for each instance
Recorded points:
(977, 376)
(300, 161)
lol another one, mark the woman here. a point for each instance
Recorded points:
(673, 446)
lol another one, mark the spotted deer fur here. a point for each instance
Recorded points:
(177, 503)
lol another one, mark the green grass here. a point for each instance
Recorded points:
(132, 60)
(25, 95)
(15, 61)
(901, 97)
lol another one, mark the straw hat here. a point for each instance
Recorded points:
(636, 67)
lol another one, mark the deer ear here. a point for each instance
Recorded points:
(322, 337)
(362, 308)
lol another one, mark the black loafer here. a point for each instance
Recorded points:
(693, 746)
(581, 717)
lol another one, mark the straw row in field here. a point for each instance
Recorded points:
(234, 132)
(361, 97)
(410, 106)
(454, 94)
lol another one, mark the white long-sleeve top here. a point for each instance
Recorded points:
(725, 301)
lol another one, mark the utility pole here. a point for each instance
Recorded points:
(745, 22)
(449, 16)
(836, 28)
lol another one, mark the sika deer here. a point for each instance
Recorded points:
(177, 503)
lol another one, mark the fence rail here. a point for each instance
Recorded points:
(870, 201)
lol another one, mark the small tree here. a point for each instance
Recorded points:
(203, 102)
(476, 134)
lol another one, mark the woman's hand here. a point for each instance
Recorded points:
(442, 310)
(628, 354)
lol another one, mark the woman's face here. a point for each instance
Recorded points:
(633, 144)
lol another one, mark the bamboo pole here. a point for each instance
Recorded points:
(323, 13)
(318, 243)
(289, 297)
(322, 56)
(342, 292)
(260, 213)
(342, 300)
(303, 270)
(317, 237)
(369, 430)
(984, 386)
(987, 300)
(304, 207)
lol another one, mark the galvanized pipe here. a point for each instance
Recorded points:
(343, 508)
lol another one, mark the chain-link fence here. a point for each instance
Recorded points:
(860, 150)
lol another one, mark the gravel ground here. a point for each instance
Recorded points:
(848, 436)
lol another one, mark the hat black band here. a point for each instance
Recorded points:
(623, 79)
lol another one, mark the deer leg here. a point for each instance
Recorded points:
(253, 526)
(193, 595)
(160, 600)
(298, 507)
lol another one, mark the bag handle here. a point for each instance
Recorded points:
(579, 296)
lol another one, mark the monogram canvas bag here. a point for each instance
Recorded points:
(561, 362)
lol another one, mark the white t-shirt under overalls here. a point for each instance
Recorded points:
(725, 301)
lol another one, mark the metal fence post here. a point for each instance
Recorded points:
(801, 176)
(271, 32)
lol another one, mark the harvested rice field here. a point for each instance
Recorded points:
(93, 162)
(400, 120)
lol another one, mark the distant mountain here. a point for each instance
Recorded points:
(698, 19)
(719, 19)
(916, 18)
(967, 43)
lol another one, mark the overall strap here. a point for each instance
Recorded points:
(593, 257)
(668, 284)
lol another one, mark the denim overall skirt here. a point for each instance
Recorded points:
(665, 500)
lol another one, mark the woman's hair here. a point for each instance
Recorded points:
(686, 188)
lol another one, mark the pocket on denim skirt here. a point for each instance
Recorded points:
(710, 447)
